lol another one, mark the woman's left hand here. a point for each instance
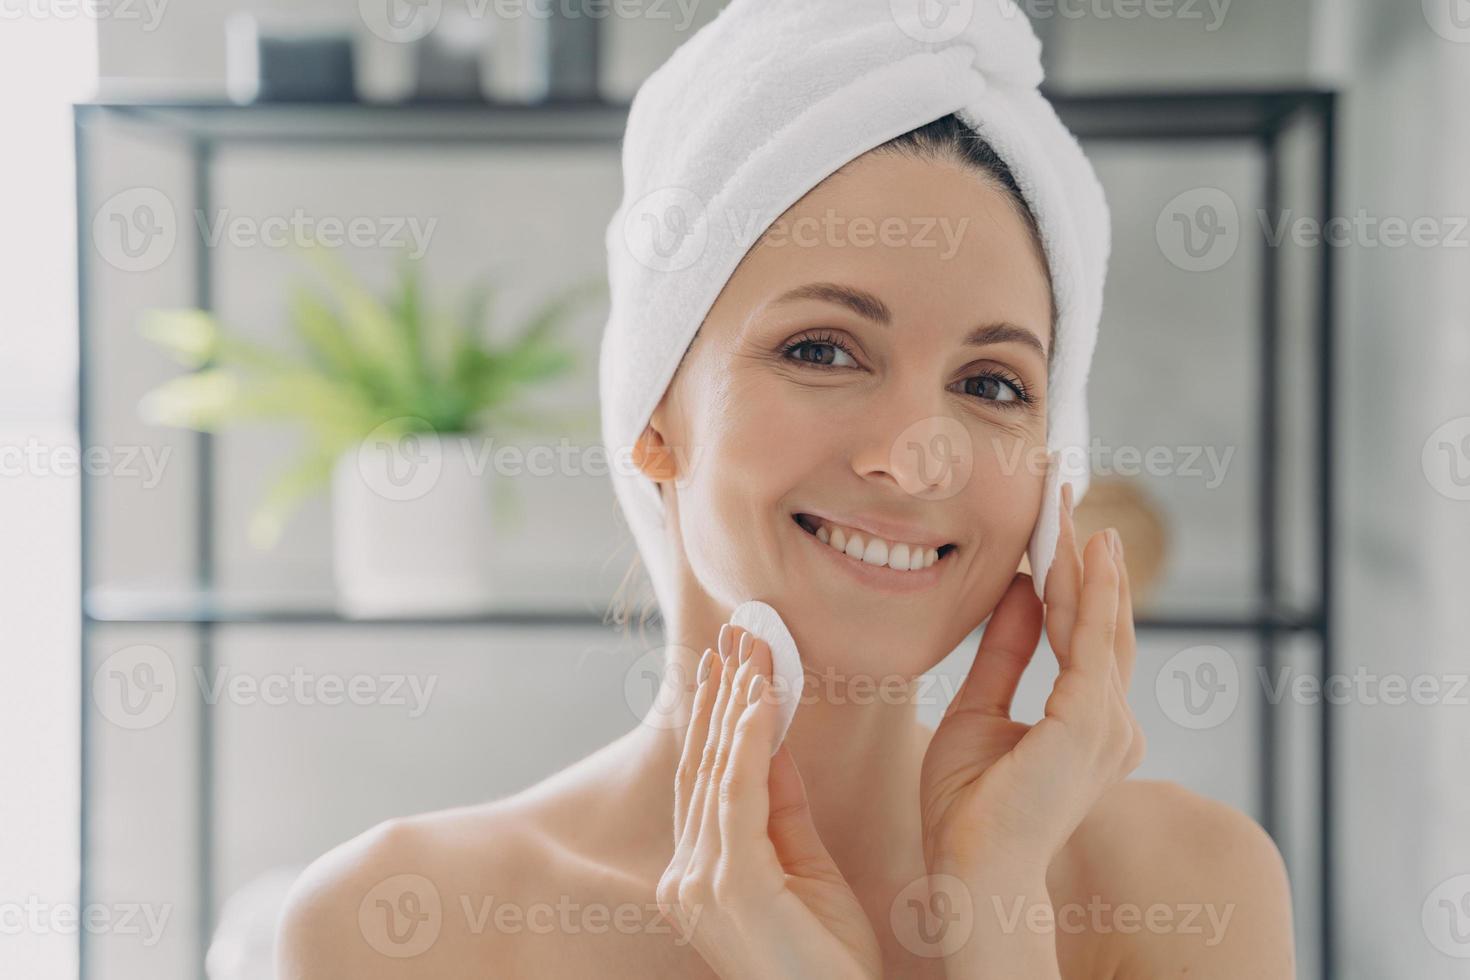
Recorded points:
(1000, 793)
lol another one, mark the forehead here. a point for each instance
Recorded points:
(942, 245)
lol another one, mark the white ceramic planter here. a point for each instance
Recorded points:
(412, 527)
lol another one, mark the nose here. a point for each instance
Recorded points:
(915, 446)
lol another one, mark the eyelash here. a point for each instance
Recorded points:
(1023, 395)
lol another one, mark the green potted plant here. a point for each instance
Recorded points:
(398, 401)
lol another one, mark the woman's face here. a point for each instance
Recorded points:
(877, 363)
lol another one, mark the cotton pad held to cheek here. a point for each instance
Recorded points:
(786, 680)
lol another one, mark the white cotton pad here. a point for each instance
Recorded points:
(1043, 546)
(786, 675)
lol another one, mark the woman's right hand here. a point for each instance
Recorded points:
(751, 885)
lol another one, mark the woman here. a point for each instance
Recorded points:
(867, 845)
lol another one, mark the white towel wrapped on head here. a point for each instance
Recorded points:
(756, 109)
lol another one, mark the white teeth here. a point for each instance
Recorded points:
(876, 551)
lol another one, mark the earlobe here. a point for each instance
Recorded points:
(653, 457)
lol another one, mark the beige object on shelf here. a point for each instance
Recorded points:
(1121, 503)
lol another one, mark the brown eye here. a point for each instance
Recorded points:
(995, 388)
(819, 353)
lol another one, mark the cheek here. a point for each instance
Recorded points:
(1002, 500)
(760, 444)
(749, 452)
(1004, 495)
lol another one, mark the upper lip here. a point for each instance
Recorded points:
(897, 532)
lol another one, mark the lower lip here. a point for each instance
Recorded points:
(879, 577)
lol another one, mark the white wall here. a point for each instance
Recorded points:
(45, 62)
(1405, 808)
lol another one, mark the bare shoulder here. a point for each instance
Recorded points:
(385, 904)
(1182, 884)
(515, 887)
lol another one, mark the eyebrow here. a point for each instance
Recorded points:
(870, 307)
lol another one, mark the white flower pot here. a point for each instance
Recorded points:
(412, 528)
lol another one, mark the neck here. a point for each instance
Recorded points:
(859, 752)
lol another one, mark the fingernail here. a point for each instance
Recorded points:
(704, 664)
(745, 645)
(723, 643)
(1113, 545)
(757, 687)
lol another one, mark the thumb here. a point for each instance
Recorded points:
(791, 828)
(1006, 647)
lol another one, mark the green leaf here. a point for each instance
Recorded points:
(208, 399)
(202, 400)
(510, 421)
(553, 313)
(191, 336)
(286, 494)
(376, 336)
(195, 339)
(528, 365)
(322, 333)
(409, 313)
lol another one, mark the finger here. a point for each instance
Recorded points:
(745, 804)
(699, 798)
(1006, 647)
(791, 828)
(1095, 632)
(1064, 583)
(1129, 727)
(694, 739)
(1127, 632)
(760, 653)
(709, 847)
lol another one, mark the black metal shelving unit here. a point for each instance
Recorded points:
(1258, 118)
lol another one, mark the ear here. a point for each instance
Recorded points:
(653, 457)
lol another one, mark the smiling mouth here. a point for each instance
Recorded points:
(871, 550)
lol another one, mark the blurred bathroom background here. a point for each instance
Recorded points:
(174, 154)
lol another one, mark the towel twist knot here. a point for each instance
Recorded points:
(1006, 50)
